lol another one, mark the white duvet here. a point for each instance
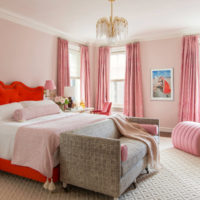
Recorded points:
(8, 130)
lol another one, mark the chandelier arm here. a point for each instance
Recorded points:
(111, 19)
(115, 28)
(111, 10)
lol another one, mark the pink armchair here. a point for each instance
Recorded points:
(106, 109)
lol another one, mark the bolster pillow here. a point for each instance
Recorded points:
(150, 128)
(35, 111)
(124, 152)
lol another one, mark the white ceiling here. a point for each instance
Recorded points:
(77, 18)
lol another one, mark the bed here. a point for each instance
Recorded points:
(17, 92)
(19, 96)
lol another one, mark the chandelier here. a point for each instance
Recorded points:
(113, 29)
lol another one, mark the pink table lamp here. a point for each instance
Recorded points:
(49, 85)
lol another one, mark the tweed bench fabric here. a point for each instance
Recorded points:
(186, 137)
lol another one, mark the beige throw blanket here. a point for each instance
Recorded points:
(134, 131)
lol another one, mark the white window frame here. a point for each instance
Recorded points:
(117, 50)
(76, 50)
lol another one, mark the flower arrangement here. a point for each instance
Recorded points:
(62, 102)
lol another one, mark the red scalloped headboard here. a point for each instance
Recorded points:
(17, 91)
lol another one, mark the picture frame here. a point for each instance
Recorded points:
(162, 84)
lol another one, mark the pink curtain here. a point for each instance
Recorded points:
(63, 73)
(133, 98)
(85, 76)
(103, 77)
(189, 105)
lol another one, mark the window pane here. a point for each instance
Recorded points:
(76, 83)
(117, 92)
(74, 63)
(117, 66)
(117, 76)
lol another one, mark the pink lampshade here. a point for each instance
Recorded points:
(49, 85)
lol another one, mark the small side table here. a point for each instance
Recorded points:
(81, 110)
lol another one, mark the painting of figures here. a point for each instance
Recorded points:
(162, 84)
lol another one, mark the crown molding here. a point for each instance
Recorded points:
(149, 37)
(25, 21)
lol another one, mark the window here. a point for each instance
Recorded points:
(74, 63)
(117, 76)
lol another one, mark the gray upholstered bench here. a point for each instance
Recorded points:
(90, 158)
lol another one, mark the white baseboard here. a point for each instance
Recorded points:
(166, 129)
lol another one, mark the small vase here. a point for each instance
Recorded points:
(65, 106)
(62, 106)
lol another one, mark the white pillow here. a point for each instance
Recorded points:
(26, 104)
(7, 110)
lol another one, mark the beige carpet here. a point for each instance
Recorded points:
(179, 179)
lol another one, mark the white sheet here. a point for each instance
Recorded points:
(8, 130)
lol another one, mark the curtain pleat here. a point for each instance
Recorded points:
(103, 77)
(189, 105)
(133, 98)
(63, 73)
(85, 76)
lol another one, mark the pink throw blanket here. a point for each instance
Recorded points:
(36, 144)
(134, 131)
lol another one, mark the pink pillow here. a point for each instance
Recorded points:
(32, 112)
(124, 152)
(150, 128)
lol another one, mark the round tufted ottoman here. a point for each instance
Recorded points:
(186, 137)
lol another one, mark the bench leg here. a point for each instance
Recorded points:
(135, 184)
(147, 170)
(64, 185)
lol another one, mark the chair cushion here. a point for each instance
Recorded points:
(136, 151)
(105, 107)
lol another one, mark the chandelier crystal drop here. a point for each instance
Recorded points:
(113, 29)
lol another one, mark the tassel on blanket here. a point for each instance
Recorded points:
(52, 186)
(46, 184)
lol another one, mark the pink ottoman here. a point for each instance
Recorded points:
(186, 137)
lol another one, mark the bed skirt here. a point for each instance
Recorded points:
(5, 165)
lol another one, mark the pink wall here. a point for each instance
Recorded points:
(26, 55)
(159, 54)
(156, 54)
(29, 56)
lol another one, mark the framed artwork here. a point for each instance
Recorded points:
(162, 84)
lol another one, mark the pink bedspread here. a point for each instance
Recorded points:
(36, 144)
